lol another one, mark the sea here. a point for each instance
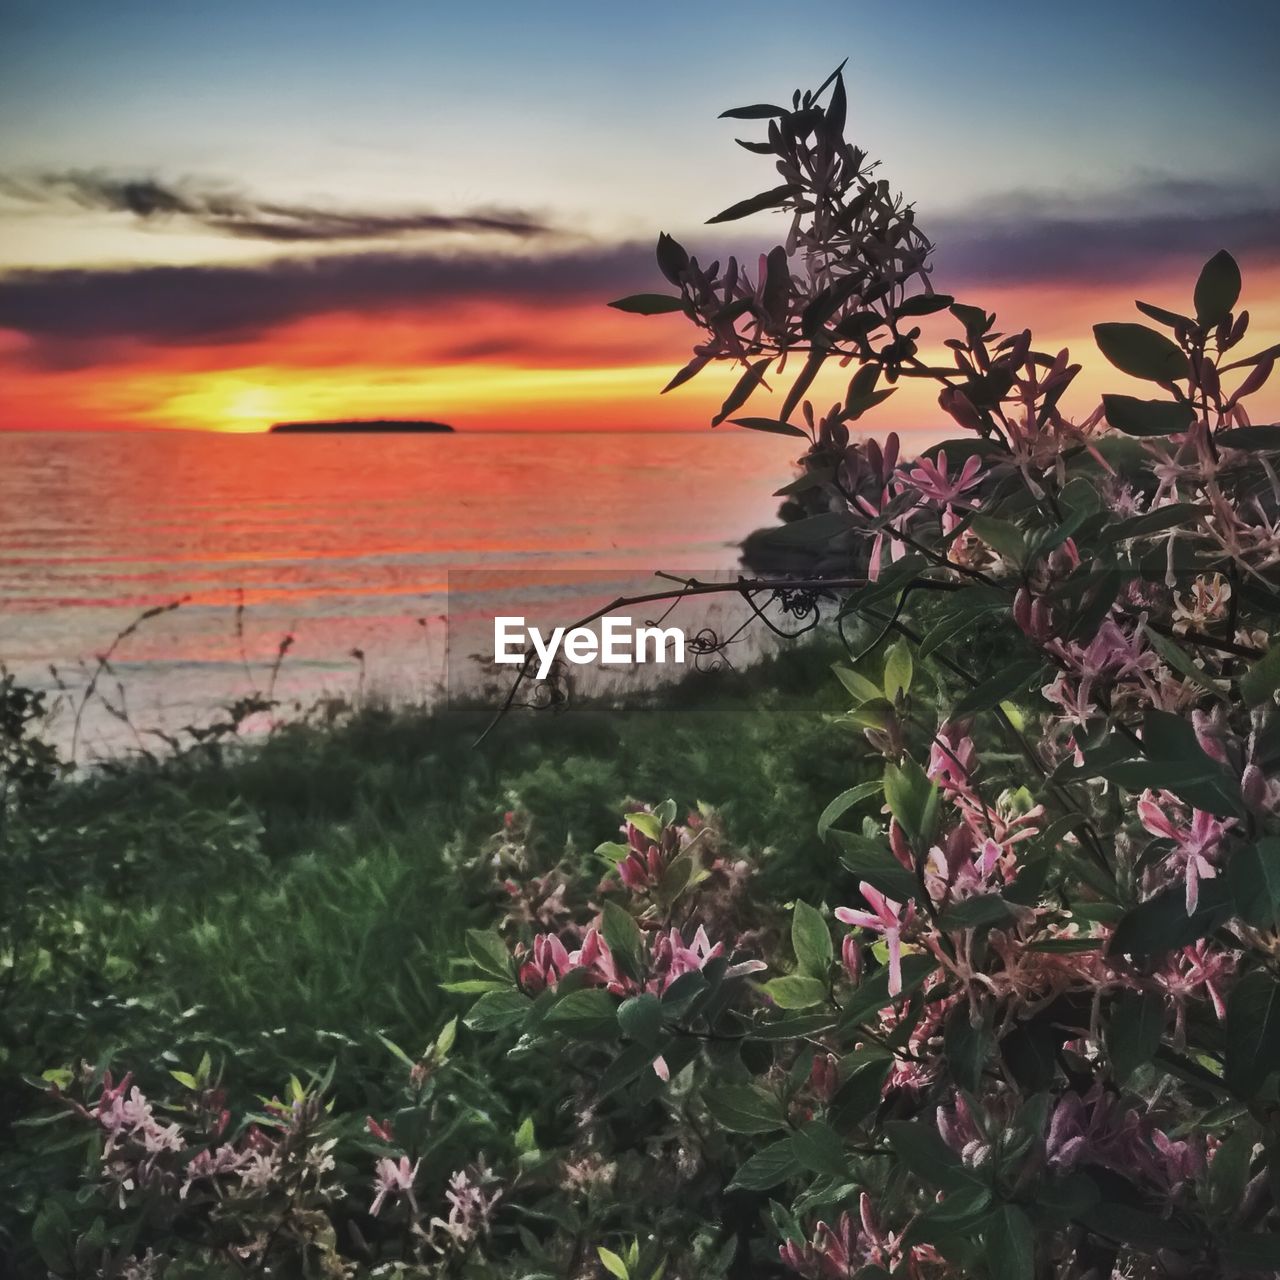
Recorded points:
(174, 573)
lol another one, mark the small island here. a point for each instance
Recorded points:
(368, 426)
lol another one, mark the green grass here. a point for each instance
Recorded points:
(287, 904)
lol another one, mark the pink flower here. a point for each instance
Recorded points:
(645, 862)
(390, 1178)
(550, 962)
(836, 1253)
(953, 757)
(382, 1132)
(933, 480)
(1194, 843)
(470, 1208)
(886, 917)
(672, 958)
(1196, 970)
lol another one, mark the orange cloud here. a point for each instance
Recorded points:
(485, 364)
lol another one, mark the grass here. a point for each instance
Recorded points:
(284, 907)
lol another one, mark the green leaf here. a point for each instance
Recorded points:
(1068, 1197)
(771, 199)
(871, 860)
(1251, 1250)
(811, 940)
(613, 1264)
(974, 913)
(1147, 1232)
(744, 1108)
(844, 802)
(1256, 438)
(489, 953)
(186, 1079)
(649, 304)
(1262, 679)
(1134, 1031)
(673, 261)
(1229, 1172)
(1010, 1245)
(955, 624)
(897, 670)
(646, 823)
(861, 1092)
(498, 1010)
(1179, 659)
(525, 1137)
(854, 409)
(919, 1147)
(635, 1061)
(1162, 924)
(772, 425)
(1217, 289)
(1253, 1033)
(878, 713)
(589, 1014)
(963, 1211)
(1002, 686)
(913, 800)
(640, 1018)
(1001, 536)
(612, 851)
(1162, 315)
(975, 320)
(1147, 417)
(1176, 763)
(856, 683)
(966, 1048)
(757, 111)
(1254, 876)
(624, 938)
(474, 986)
(1169, 516)
(1171, 740)
(768, 1167)
(396, 1051)
(51, 1235)
(804, 379)
(795, 1028)
(796, 991)
(819, 1150)
(924, 304)
(1141, 352)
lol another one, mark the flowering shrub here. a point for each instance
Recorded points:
(179, 1188)
(1032, 1030)
(1035, 1028)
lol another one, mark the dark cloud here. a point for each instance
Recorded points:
(1030, 237)
(1019, 239)
(202, 304)
(233, 213)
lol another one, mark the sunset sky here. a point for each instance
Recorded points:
(218, 215)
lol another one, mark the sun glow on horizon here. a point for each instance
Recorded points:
(507, 365)
(251, 399)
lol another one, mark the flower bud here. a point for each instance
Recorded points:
(851, 958)
(1253, 787)
(824, 1076)
(898, 843)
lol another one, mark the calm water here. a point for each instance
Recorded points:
(343, 543)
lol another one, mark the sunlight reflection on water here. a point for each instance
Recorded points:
(342, 542)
